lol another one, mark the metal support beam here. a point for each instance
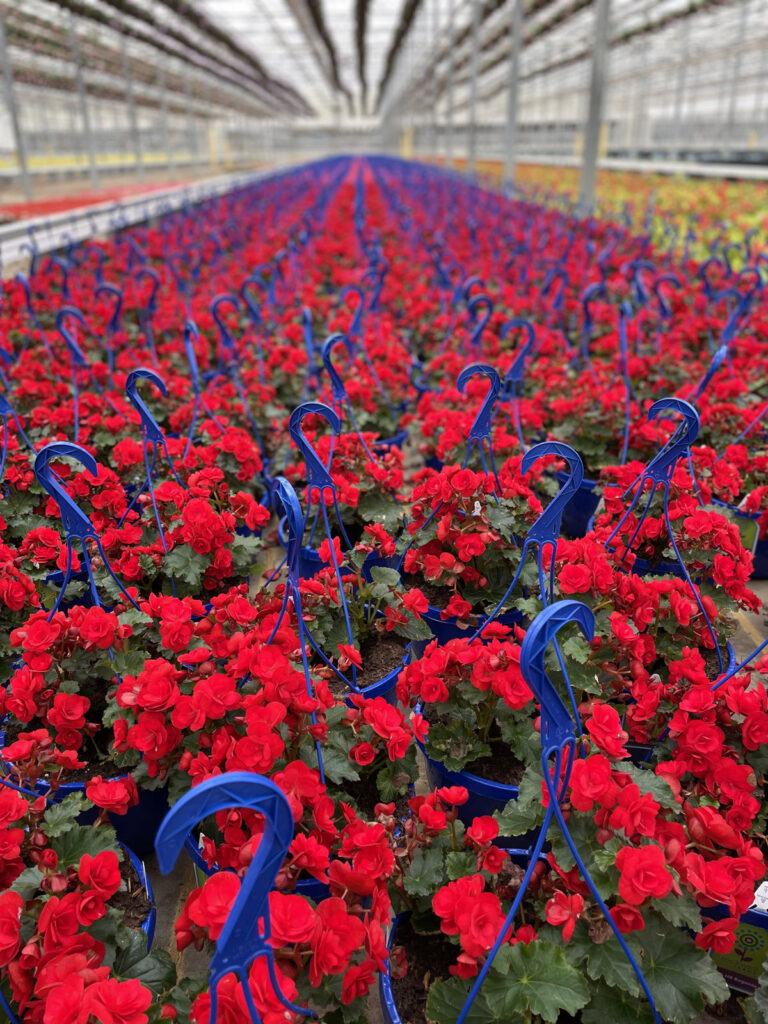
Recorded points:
(472, 144)
(74, 46)
(132, 117)
(433, 156)
(449, 91)
(170, 158)
(735, 84)
(516, 28)
(682, 72)
(192, 140)
(595, 106)
(10, 97)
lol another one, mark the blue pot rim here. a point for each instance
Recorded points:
(586, 484)
(511, 617)
(396, 441)
(40, 786)
(386, 995)
(148, 925)
(476, 784)
(742, 513)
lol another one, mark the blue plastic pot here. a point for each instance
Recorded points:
(444, 630)
(386, 444)
(136, 829)
(485, 797)
(309, 887)
(386, 995)
(581, 507)
(386, 687)
(148, 926)
(310, 562)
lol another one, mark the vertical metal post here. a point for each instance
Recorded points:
(516, 29)
(10, 97)
(433, 60)
(472, 146)
(449, 91)
(169, 155)
(74, 46)
(762, 80)
(682, 72)
(736, 71)
(191, 126)
(595, 105)
(135, 136)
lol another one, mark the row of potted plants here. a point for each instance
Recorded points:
(366, 679)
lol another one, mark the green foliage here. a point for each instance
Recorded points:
(79, 840)
(60, 818)
(154, 970)
(524, 979)
(425, 874)
(521, 815)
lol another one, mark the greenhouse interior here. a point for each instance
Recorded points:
(384, 511)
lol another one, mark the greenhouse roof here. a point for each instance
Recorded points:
(325, 59)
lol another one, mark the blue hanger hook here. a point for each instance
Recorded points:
(246, 933)
(559, 733)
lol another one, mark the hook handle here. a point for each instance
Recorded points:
(246, 933)
(357, 319)
(337, 384)
(151, 304)
(595, 291)
(116, 293)
(191, 337)
(227, 341)
(74, 349)
(481, 428)
(76, 522)
(557, 725)
(317, 474)
(546, 529)
(480, 309)
(516, 371)
(150, 426)
(284, 492)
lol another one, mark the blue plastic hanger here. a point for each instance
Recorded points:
(246, 933)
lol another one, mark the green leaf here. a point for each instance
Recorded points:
(681, 911)
(61, 817)
(129, 663)
(185, 564)
(648, 782)
(534, 978)
(415, 629)
(80, 840)
(576, 648)
(455, 745)
(605, 961)
(389, 577)
(611, 1004)
(523, 814)
(460, 863)
(27, 885)
(682, 978)
(338, 767)
(426, 872)
(447, 998)
(154, 970)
